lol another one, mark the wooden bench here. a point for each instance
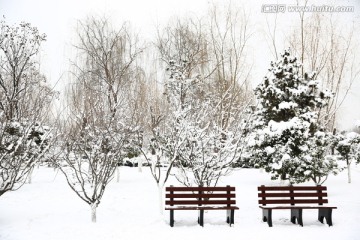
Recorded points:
(295, 198)
(201, 198)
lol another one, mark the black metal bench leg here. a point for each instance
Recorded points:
(321, 216)
(227, 216)
(267, 216)
(232, 216)
(171, 218)
(296, 214)
(201, 218)
(327, 214)
(292, 218)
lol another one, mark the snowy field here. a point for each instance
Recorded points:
(48, 210)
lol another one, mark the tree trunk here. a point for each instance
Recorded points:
(160, 192)
(30, 175)
(117, 174)
(93, 212)
(349, 172)
(283, 176)
(140, 164)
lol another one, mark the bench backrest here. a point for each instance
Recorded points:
(200, 196)
(292, 195)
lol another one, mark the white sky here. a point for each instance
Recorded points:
(58, 20)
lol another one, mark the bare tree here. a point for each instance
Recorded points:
(328, 49)
(107, 70)
(19, 72)
(24, 101)
(103, 107)
(106, 61)
(157, 137)
(91, 145)
(184, 43)
(208, 152)
(207, 66)
(230, 32)
(90, 156)
(163, 154)
(180, 43)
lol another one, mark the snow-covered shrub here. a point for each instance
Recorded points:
(22, 145)
(319, 163)
(131, 145)
(348, 147)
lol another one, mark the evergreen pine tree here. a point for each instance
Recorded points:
(286, 120)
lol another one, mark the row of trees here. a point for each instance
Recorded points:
(192, 109)
(191, 120)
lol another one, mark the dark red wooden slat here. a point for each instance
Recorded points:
(292, 207)
(209, 189)
(300, 194)
(296, 201)
(201, 207)
(196, 202)
(195, 195)
(294, 188)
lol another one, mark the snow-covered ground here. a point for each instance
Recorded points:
(48, 210)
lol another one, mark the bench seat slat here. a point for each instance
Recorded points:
(295, 194)
(194, 195)
(201, 208)
(197, 189)
(295, 201)
(295, 188)
(196, 202)
(297, 207)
